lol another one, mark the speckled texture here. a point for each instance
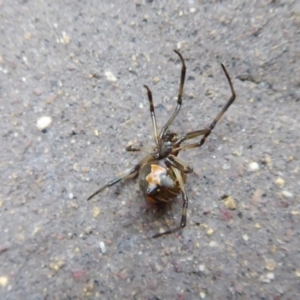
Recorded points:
(83, 63)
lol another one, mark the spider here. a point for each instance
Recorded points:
(162, 174)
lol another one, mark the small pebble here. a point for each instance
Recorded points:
(257, 226)
(88, 230)
(287, 194)
(43, 122)
(96, 212)
(3, 281)
(56, 265)
(36, 230)
(237, 153)
(230, 203)
(226, 167)
(213, 244)
(253, 166)
(201, 268)
(280, 182)
(245, 237)
(102, 247)
(202, 295)
(66, 39)
(257, 196)
(73, 204)
(110, 76)
(156, 79)
(85, 169)
(267, 278)
(270, 264)
(268, 161)
(210, 231)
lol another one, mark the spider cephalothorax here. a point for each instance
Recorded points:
(162, 174)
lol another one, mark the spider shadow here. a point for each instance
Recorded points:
(157, 216)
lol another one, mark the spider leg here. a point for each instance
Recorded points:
(152, 113)
(131, 172)
(184, 206)
(194, 145)
(189, 135)
(207, 132)
(132, 148)
(179, 98)
(178, 163)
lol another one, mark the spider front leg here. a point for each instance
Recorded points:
(206, 132)
(184, 206)
(179, 97)
(131, 172)
(152, 114)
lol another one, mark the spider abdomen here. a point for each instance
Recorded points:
(158, 182)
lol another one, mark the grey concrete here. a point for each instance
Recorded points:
(53, 59)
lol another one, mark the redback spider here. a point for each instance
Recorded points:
(162, 174)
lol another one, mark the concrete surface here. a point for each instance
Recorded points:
(84, 63)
